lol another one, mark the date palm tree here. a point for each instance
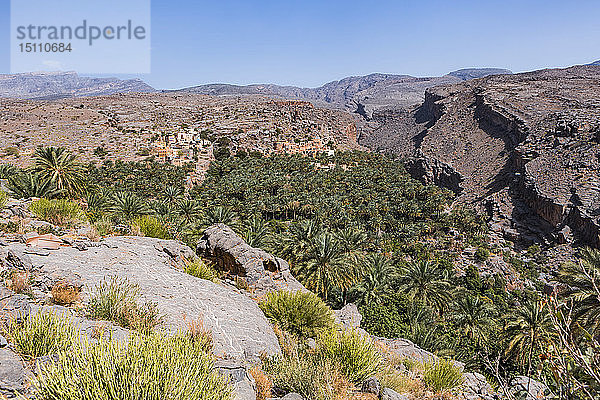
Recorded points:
(126, 206)
(472, 315)
(375, 284)
(58, 166)
(26, 185)
(188, 210)
(427, 282)
(326, 266)
(529, 331)
(255, 231)
(583, 282)
(220, 215)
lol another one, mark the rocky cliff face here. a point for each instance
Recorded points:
(363, 95)
(54, 85)
(525, 148)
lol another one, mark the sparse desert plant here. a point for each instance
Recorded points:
(64, 293)
(116, 299)
(300, 313)
(400, 382)
(442, 375)
(263, 383)
(356, 354)
(201, 269)
(3, 199)
(151, 367)
(43, 333)
(60, 212)
(104, 227)
(199, 334)
(308, 374)
(18, 281)
(151, 227)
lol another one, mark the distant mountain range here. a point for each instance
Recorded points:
(360, 94)
(55, 85)
(595, 63)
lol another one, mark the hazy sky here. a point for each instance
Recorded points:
(310, 42)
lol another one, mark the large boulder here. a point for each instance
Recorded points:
(526, 388)
(239, 329)
(262, 271)
(348, 317)
(476, 387)
(13, 307)
(13, 375)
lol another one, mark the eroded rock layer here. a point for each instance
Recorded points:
(524, 147)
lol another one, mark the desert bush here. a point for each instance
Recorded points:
(151, 227)
(115, 299)
(200, 269)
(43, 333)
(400, 382)
(3, 199)
(308, 374)
(61, 212)
(104, 226)
(150, 367)
(200, 335)
(18, 281)
(64, 293)
(300, 313)
(442, 375)
(263, 383)
(357, 356)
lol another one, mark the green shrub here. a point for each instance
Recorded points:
(3, 199)
(151, 227)
(442, 375)
(60, 212)
(311, 376)
(202, 270)
(356, 354)
(482, 254)
(115, 299)
(300, 313)
(104, 226)
(43, 333)
(151, 367)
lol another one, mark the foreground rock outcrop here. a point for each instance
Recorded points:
(240, 330)
(262, 271)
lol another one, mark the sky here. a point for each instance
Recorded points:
(308, 43)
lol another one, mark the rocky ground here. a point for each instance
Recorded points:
(126, 125)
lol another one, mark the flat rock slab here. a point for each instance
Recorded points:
(240, 330)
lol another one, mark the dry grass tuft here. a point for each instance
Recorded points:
(263, 383)
(64, 293)
(18, 282)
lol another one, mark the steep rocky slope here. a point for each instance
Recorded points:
(358, 94)
(53, 85)
(524, 147)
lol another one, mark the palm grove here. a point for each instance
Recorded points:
(361, 231)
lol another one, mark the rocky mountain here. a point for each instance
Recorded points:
(525, 148)
(358, 94)
(53, 85)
